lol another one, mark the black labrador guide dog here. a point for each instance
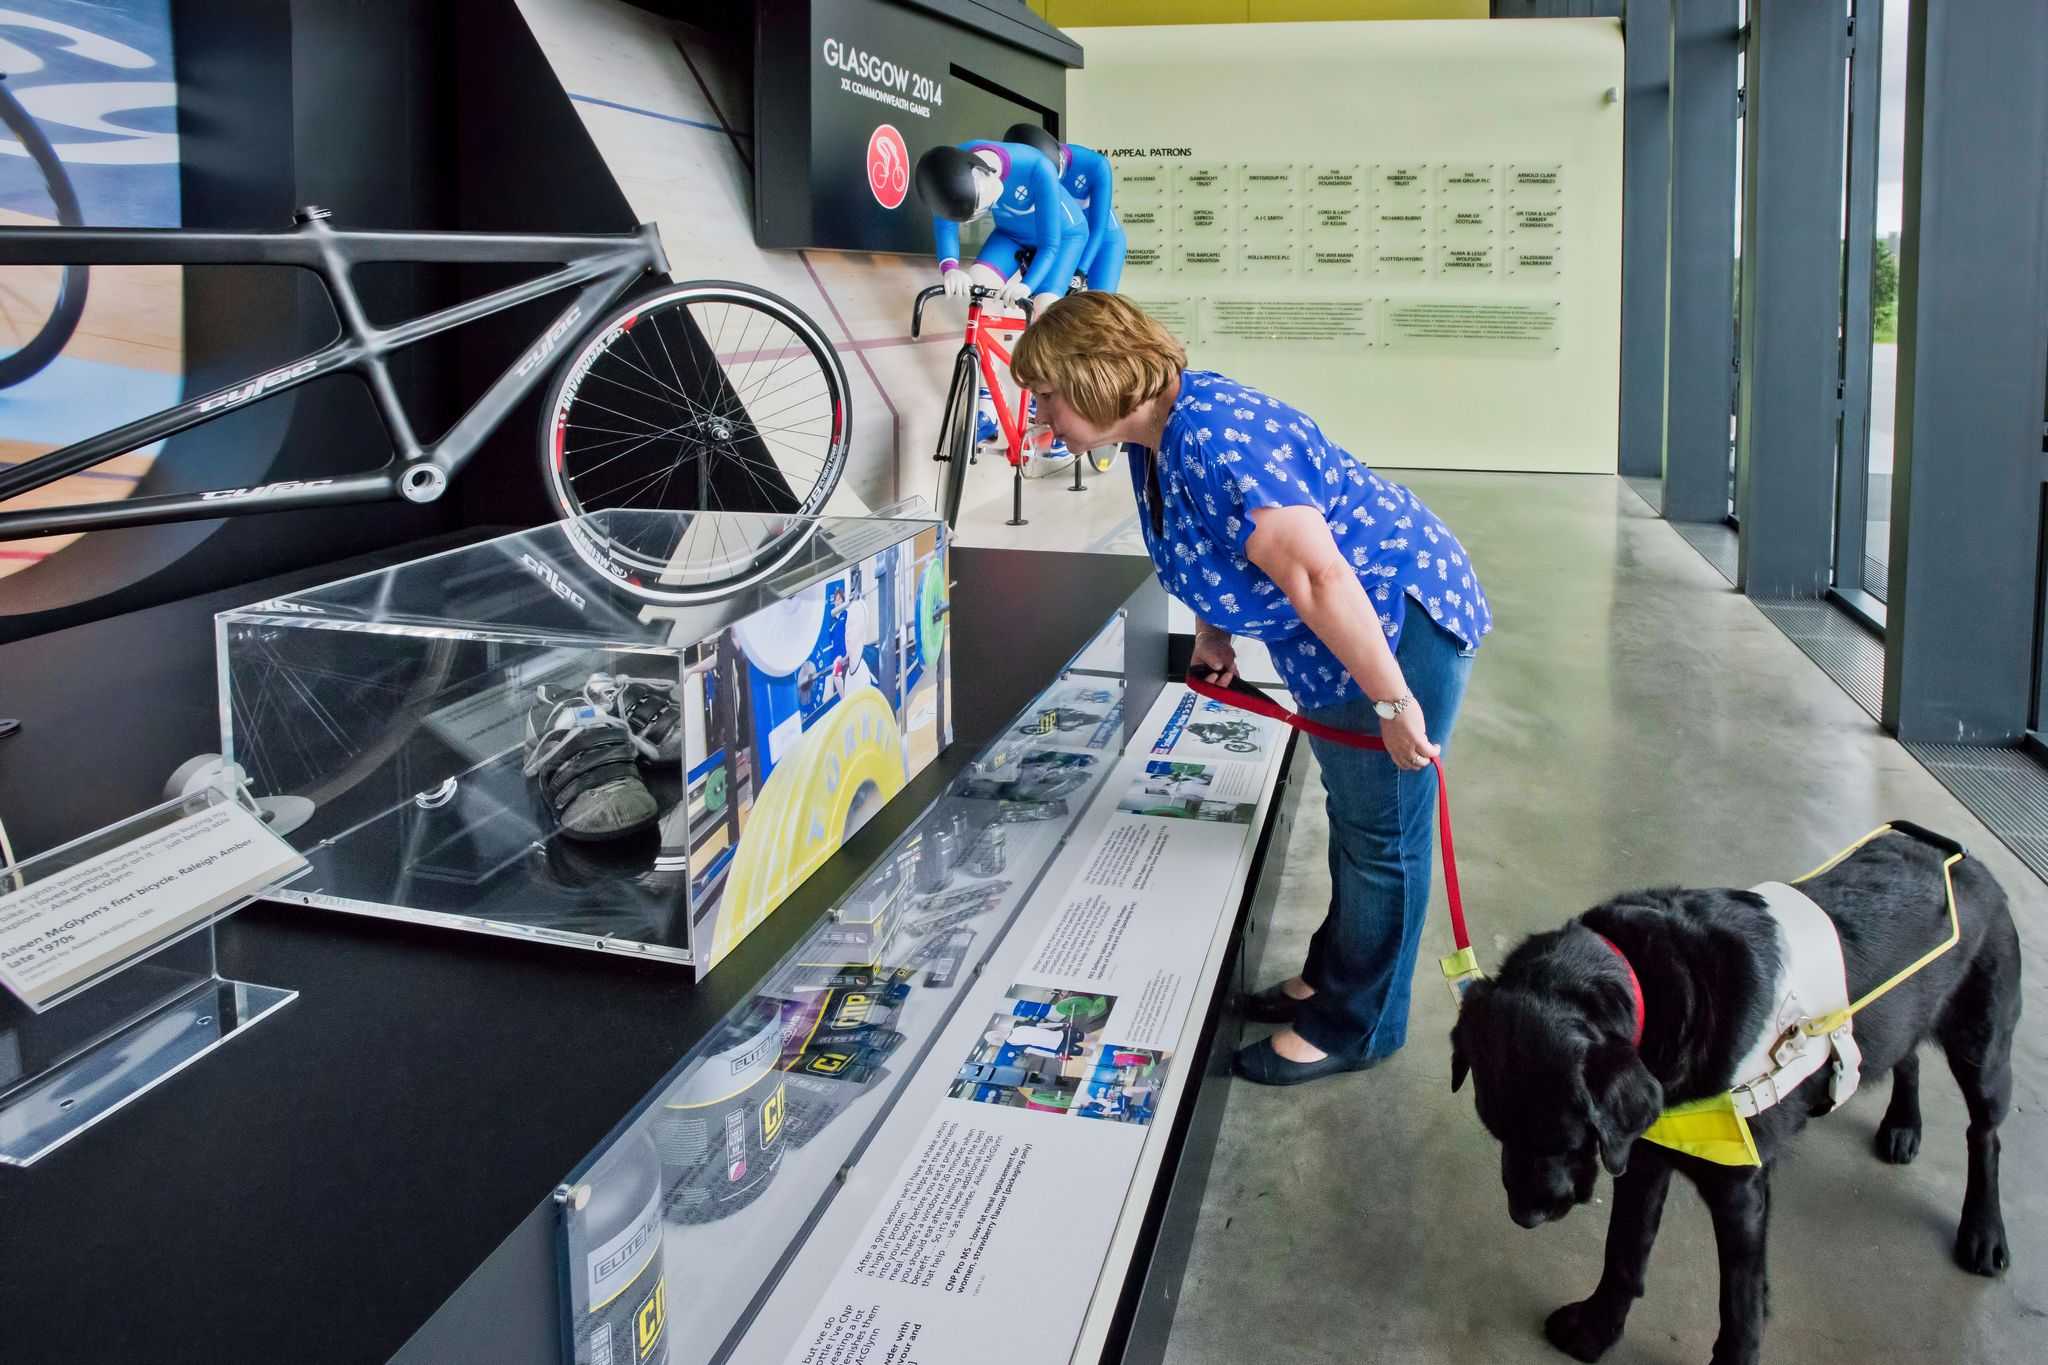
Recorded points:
(1558, 1081)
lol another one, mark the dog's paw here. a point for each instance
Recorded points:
(1582, 1330)
(1897, 1146)
(1981, 1248)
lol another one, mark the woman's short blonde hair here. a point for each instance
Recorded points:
(1101, 353)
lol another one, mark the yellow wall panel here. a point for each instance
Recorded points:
(1150, 13)
(1142, 13)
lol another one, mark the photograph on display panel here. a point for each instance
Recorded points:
(1193, 791)
(816, 712)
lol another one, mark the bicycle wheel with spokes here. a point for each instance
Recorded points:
(692, 437)
(956, 433)
(39, 305)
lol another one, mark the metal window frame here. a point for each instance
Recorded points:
(1788, 422)
(1852, 479)
(1699, 318)
(1968, 466)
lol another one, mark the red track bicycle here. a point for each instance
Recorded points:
(975, 366)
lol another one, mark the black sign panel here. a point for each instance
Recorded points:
(848, 94)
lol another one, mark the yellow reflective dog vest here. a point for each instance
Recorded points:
(1812, 983)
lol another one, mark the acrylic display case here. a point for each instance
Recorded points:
(778, 680)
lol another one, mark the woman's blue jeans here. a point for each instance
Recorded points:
(1382, 831)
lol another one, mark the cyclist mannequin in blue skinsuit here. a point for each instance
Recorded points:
(1020, 188)
(1085, 174)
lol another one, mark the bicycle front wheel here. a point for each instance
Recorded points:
(39, 305)
(702, 398)
(956, 433)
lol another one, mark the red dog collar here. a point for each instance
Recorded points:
(1635, 987)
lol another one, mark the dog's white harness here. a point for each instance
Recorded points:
(1812, 984)
(1809, 1026)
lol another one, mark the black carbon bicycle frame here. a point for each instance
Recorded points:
(602, 267)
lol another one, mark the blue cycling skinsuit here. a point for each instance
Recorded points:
(1089, 179)
(1032, 212)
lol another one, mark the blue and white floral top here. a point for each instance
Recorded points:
(1228, 448)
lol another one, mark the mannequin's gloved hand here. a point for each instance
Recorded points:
(957, 282)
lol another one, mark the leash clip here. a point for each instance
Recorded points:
(1461, 969)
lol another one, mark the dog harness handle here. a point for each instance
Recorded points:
(1953, 853)
(1249, 697)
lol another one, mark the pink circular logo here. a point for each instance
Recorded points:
(888, 166)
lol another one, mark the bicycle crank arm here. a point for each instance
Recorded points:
(283, 496)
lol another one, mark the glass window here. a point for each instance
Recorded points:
(1884, 294)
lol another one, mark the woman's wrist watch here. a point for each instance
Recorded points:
(1387, 710)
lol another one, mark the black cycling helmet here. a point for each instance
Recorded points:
(945, 182)
(1040, 141)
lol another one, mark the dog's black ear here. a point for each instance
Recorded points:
(1470, 1006)
(1626, 1100)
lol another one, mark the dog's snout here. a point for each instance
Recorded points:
(1529, 1218)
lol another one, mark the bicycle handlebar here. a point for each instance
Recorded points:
(976, 291)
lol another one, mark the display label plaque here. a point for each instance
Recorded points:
(1340, 182)
(1466, 182)
(1536, 182)
(1138, 218)
(1266, 262)
(1466, 226)
(1268, 180)
(1403, 182)
(1401, 260)
(1402, 220)
(1472, 328)
(1211, 260)
(1535, 218)
(1202, 181)
(1329, 324)
(1140, 180)
(1535, 262)
(1344, 218)
(1332, 260)
(1457, 261)
(73, 925)
(1203, 217)
(1148, 257)
(1267, 220)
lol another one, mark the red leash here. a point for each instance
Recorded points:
(1462, 967)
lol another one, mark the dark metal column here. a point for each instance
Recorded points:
(1645, 229)
(1791, 297)
(1700, 279)
(1973, 343)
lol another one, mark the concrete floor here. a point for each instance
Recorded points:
(1632, 721)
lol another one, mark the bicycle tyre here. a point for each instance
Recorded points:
(956, 433)
(50, 339)
(623, 396)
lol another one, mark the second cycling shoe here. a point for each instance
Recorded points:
(651, 709)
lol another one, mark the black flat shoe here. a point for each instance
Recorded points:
(1272, 1005)
(1261, 1065)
